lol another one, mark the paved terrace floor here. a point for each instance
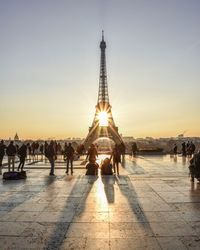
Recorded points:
(151, 205)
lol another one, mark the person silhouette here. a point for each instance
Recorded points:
(11, 152)
(22, 152)
(92, 153)
(134, 149)
(175, 149)
(106, 167)
(116, 156)
(51, 155)
(2, 153)
(183, 149)
(69, 153)
(42, 151)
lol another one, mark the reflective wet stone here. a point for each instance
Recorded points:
(151, 205)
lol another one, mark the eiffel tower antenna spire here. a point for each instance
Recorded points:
(103, 86)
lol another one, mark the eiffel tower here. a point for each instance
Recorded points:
(103, 124)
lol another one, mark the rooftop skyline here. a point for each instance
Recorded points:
(50, 61)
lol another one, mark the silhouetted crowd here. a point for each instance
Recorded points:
(108, 166)
(52, 150)
(187, 149)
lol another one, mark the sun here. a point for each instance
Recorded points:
(103, 119)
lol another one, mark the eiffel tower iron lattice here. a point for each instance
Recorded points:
(106, 127)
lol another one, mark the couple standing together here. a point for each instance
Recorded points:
(68, 156)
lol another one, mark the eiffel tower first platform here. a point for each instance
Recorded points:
(103, 124)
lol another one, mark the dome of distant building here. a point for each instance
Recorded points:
(16, 137)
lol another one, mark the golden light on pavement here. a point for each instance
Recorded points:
(103, 119)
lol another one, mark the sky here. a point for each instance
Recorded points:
(50, 58)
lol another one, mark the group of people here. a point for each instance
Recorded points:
(187, 149)
(106, 167)
(50, 150)
(11, 151)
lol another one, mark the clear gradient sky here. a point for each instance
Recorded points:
(49, 66)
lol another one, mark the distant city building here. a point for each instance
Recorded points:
(16, 137)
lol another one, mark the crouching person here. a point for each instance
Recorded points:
(106, 167)
(92, 168)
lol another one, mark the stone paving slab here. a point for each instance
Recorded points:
(151, 205)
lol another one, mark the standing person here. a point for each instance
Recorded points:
(92, 154)
(33, 147)
(195, 167)
(134, 149)
(187, 148)
(116, 158)
(2, 153)
(29, 150)
(42, 151)
(175, 149)
(11, 152)
(45, 151)
(59, 149)
(192, 148)
(22, 152)
(36, 149)
(183, 149)
(51, 155)
(69, 153)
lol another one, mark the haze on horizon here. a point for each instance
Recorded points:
(49, 66)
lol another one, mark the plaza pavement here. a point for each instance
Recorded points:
(151, 205)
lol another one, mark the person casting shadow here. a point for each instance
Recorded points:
(92, 166)
(69, 153)
(22, 153)
(51, 155)
(2, 153)
(11, 152)
(116, 156)
(106, 167)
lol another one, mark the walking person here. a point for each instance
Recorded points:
(116, 156)
(11, 152)
(69, 153)
(22, 152)
(51, 155)
(2, 153)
